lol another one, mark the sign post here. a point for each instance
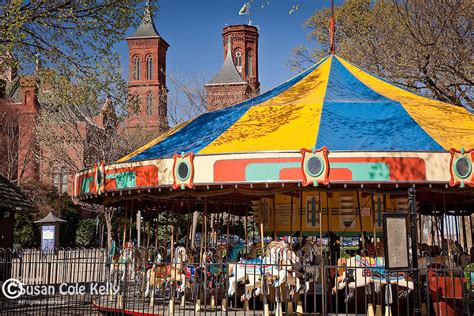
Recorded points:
(49, 233)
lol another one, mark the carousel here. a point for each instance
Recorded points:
(337, 170)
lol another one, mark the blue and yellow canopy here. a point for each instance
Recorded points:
(333, 104)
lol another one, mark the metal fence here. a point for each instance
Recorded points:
(142, 282)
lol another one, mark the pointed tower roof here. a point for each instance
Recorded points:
(228, 74)
(147, 27)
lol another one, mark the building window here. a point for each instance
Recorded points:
(136, 104)
(238, 60)
(149, 68)
(149, 104)
(60, 179)
(136, 68)
(248, 64)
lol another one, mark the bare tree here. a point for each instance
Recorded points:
(423, 45)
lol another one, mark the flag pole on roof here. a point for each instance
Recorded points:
(245, 10)
(331, 30)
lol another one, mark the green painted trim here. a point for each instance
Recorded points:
(123, 180)
(86, 184)
(267, 171)
(468, 163)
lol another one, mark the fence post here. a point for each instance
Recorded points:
(414, 253)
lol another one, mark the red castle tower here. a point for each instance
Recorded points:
(147, 84)
(237, 80)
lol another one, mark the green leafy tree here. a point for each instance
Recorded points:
(85, 234)
(26, 233)
(72, 34)
(68, 211)
(422, 45)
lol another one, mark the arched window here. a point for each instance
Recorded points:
(136, 104)
(149, 68)
(136, 68)
(60, 177)
(149, 104)
(248, 64)
(238, 59)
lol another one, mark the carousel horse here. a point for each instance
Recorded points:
(275, 267)
(123, 262)
(160, 273)
(311, 259)
(361, 271)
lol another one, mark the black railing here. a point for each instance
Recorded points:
(137, 281)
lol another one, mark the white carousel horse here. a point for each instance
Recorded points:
(276, 266)
(361, 271)
(161, 273)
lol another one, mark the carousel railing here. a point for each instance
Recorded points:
(147, 281)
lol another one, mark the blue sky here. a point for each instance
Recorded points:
(193, 29)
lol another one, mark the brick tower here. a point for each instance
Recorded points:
(147, 84)
(237, 80)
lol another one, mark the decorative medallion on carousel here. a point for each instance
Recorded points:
(100, 177)
(461, 167)
(183, 170)
(315, 166)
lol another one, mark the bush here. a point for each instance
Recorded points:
(25, 233)
(85, 234)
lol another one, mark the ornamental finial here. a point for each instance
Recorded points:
(147, 14)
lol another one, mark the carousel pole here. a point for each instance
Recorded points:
(139, 228)
(246, 225)
(124, 238)
(464, 237)
(291, 219)
(413, 233)
(420, 230)
(130, 225)
(148, 232)
(299, 303)
(171, 302)
(266, 310)
(360, 220)
(289, 304)
(156, 235)
(323, 300)
(188, 229)
(275, 237)
(373, 224)
(370, 305)
(301, 215)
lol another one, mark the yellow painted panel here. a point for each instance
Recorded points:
(343, 216)
(449, 125)
(289, 121)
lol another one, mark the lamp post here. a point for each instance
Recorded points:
(414, 257)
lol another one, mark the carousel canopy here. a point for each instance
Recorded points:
(332, 124)
(334, 104)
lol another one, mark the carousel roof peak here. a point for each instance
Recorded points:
(334, 104)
